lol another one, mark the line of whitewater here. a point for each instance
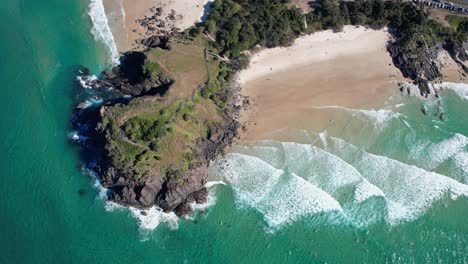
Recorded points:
(287, 181)
(149, 219)
(101, 30)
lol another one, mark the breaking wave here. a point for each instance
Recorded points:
(86, 80)
(376, 118)
(430, 155)
(101, 30)
(390, 165)
(150, 219)
(460, 89)
(340, 178)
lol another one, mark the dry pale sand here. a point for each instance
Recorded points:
(450, 70)
(127, 34)
(285, 85)
(302, 4)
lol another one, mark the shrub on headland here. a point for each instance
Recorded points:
(239, 25)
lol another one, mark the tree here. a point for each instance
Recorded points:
(210, 26)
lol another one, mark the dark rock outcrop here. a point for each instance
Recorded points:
(415, 64)
(167, 192)
(155, 41)
(130, 78)
(175, 192)
(458, 54)
(419, 64)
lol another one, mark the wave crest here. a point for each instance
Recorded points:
(101, 30)
(332, 175)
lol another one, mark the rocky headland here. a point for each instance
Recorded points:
(138, 164)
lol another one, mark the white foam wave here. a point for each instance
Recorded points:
(410, 190)
(378, 118)
(253, 178)
(307, 181)
(399, 105)
(210, 201)
(149, 219)
(91, 102)
(281, 197)
(319, 167)
(461, 165)
(214, 183)
(296, 199)
(101, 30)
(96, 183)
(461, 89)
(86, 80)
(429, 155)
(74, 136)
(365, 190)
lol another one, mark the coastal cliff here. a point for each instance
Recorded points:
(153, 147)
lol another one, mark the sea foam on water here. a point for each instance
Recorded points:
(101, 30)
(289, 181)
(284, 197)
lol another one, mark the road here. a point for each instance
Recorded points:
(443, 5)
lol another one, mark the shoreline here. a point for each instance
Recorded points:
(351, 69)
(133, 21)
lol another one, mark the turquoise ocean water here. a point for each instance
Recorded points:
(385, 186)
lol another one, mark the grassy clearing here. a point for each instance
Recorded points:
(455, 21)
(184, 63)
(442, 16)
(168, 133)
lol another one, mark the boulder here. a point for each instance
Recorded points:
(151, 42)
(175, 192)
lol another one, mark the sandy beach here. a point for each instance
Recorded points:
(125, 18)
(286, 85)
(451, 71)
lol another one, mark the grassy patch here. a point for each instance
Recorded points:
(455, 21)
(184, 63)
(157, 136)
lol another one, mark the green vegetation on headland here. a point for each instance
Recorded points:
(240, 25)
(158, 135)
(458, 23)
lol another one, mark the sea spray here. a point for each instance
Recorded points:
(377, 118)
(86, 81)
(101, 30)
(461, 89)
(150, 218)
(280, 196)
